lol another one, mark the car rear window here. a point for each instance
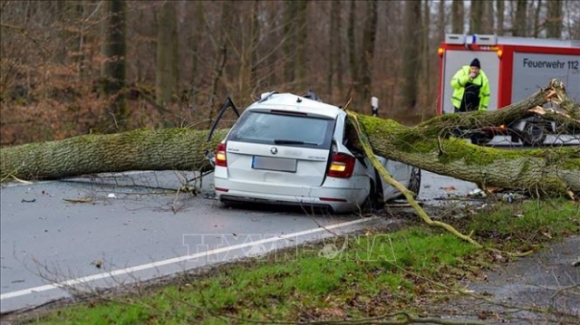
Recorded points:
(283, 129)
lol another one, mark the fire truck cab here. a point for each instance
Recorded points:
(516, 67)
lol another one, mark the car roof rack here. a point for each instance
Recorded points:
(312, 95)
(265, 96)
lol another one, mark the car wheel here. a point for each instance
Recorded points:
(533, 134)
(415, 181)
(375, 200)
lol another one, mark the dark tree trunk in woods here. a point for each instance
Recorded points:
(488, 17)
(290, 11)
(333, 46)
(441, 21)
(115, 53)
(301, 44)
(500, 11)
(352, 53)
(457, 17)
(554, 19)
(363, 90)
(166, 74)
(411, 55)
(476, 16)
(254, 42)
(198, 29)
(519, 28)
(430, 146)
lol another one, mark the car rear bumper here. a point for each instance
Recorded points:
(340, 200)
(225, 198)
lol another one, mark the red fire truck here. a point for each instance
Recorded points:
(516, 67)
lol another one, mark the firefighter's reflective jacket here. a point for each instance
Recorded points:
(470, 94)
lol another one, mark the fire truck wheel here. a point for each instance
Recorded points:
(534, 134)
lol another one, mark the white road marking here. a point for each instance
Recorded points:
(157, 264)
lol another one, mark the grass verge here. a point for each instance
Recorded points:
(345, 278)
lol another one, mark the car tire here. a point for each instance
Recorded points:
(415, 181)
(375, 200)
(533, 134)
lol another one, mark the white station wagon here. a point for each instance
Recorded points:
(292, 150)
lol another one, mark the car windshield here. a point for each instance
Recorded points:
(283, 129)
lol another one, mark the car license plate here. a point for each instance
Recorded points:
(279, 164)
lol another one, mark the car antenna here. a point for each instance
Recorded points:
(299, 100)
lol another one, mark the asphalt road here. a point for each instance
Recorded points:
(61, 237)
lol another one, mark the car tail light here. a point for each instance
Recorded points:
(220, 155)
(341, 166)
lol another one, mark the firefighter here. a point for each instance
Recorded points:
(470, 88)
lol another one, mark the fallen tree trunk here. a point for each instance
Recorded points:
(430, 146)
(165, 149)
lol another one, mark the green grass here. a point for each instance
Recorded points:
(528, 224)
(373, 274)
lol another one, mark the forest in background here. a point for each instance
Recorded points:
(76, 67)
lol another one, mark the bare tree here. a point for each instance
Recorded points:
(114, 67)
(254, 42)
(363, 91)
(334, 50)
(426, 51)
(441, 21)
(521, 16)
(411, 55)
(166, 74)
(554, 19)
(301, 41)
(352, 49)
(538, 25)
(500, 13)
(195, 42)
(457, 16)
(290, 12)
(476, 16)
(488, 18)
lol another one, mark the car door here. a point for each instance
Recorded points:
(399, 171)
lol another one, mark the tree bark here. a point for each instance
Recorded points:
(165, 149)
(441, 21)
(488, 18)
(519, 26)
(411, 53)
(500, 12)
(457, 18)
(429, 145)
(301, 44)
(333, 48)
(538, 26)
(363, 91)
(115, 65)
(290, 11)
(166, 74)
(351, 41)
(254, 42)
(476, 16)
(554, 19)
